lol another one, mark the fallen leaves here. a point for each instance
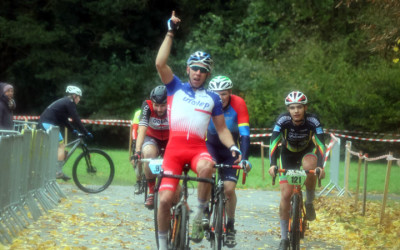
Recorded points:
(339, 221)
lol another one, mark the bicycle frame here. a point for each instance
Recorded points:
(75, 144)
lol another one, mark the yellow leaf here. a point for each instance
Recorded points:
(396, 60)
(395, 48)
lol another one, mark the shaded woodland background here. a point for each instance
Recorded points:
(342, 54)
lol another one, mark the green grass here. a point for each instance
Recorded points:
(125, 175)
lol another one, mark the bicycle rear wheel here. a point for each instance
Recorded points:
(218, 222)
(93, 171)
(294, 230)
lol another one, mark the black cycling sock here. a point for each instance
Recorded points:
(230, 224)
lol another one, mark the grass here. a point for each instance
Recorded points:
(125, 175)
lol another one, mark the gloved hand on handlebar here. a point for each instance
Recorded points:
(247, 164)
(75, 132)
(89, 135)
(236, 153)
(137, 155)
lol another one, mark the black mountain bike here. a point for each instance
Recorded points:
(217, 229)
(93, 169)
(178, 232)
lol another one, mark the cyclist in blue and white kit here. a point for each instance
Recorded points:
(190, 108)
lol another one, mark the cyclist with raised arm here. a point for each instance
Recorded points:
(190, 107)
(295, 130)
(57, 114)
(137, 166)
(237, 121)
(153, 134)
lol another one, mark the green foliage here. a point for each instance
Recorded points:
(340, 55)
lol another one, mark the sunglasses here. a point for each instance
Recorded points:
(197, 68)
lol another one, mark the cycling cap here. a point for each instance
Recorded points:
(201, 57)
(296, 97)
(159, 94)
(74, 90)
(220, 83)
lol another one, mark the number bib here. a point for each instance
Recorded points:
(155, 166)
(296, 177)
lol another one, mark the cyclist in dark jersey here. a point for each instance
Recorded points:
(57, 114)
(153, 134)
(295, 131)
(137, 165)
(237, 121)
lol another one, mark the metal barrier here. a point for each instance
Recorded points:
(27, 181)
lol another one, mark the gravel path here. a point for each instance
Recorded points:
(117, 219)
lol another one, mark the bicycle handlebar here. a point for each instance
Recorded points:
(220, 166)
(311, 171)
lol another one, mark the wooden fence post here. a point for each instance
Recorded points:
(262, 161)
(389, 166)
(358, 178)
(65, 135)
(365, 184)
(347, 166)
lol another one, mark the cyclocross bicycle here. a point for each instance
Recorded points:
(217, 230)
(178, 233)
(297, 220)
(93, 169)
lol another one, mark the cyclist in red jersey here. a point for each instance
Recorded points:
(237, 121)
(190, 107)
(152, 134)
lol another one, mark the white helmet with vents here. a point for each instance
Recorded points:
(219, 83)
(74, 90)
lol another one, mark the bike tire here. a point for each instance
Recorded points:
(294, 232)
(184, 228)
(144, 187)
(156, 205)
(218, 223)
(93, 171)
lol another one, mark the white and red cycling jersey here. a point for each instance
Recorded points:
(189, 113)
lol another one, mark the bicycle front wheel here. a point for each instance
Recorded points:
(93, 171)
(156, 205)
(218, 223)
(294, 230)
(184, 234)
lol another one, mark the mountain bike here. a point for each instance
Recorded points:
(93, 169)
(178, 232)
(217, 229)
(297, 219)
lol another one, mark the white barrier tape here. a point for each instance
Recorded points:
(256, 143)
(331, 143)
(360, 132)
(260, 135)
(367, 139)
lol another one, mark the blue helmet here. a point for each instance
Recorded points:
(201, 57)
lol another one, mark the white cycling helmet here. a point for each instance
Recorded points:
(74, 90)
(296, 97)
(219, 83)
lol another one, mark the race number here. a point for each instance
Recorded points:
(296, 177)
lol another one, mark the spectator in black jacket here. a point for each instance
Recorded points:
(57, 114)
(7, 105)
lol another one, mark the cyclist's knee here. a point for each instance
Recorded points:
(309, 161)
(166, 198)
(204, 168)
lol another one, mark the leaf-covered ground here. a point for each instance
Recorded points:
(116, 219)
(339, 221)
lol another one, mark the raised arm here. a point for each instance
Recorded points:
(163, 69)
